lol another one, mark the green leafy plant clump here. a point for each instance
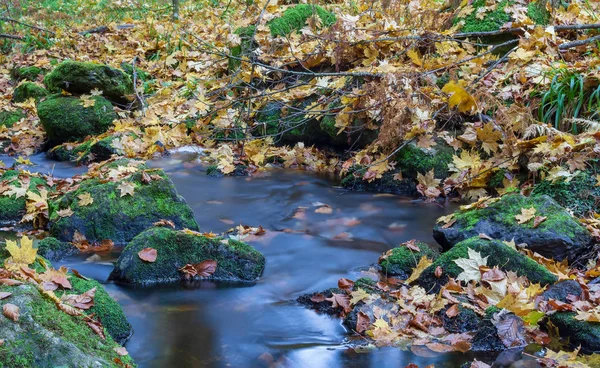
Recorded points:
(294, 19)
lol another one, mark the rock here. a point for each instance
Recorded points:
(580, 195)
(28, 90)
(120, 218)
(294, 19)
(93, 150)
(30, 73)
(54, 250)
(236, 261)
(82, 78)
(65, 119)
(317, 301)
(12, 208)
(466, 320)
(44, 336)
(400, 261)
(9, 118)
(562, 290)
(580, 333)
(559, 237)
(498, 253)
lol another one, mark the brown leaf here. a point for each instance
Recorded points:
(345, 284)
(439, 348)
(4, 295)
(340, 300)
(412, 245)
(452, 311)
(362, 322)
(96, 326)
(11, 311)
(438, 272)
(164, 223)
(484, 236)
(206, 268)
(148, 255)
(510, 328)
(537, 220)
(77, 274)
(317, 298)
(10, 282)
(188, 271)
(121, 351)
(83, 301)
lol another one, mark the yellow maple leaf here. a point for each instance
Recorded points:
(85, 199)
(424, 262)
(126, 188)
(525, 215)
(20, 256)
(489, 138)
(414, 57)
(358, 295)
(459, 97)
(87, 101)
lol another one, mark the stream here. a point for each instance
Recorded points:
(223, 325)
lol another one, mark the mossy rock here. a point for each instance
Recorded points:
(400, 261)
(55, 250)
(93, 150)
(579, 333)
(46, 337)
(413, 160)
(324, 306)
(30, 73)
(466, 320)
(580, 195)
(28, 90)
(79, 77)
(387, 184)
(498, 253)
(236, 261)
(12, 208)
(294, 19)
(65, 119)
(10, 118)
(120, 218)
(559, 237)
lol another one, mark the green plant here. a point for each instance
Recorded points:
(571, 95)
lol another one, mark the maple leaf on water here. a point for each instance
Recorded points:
(20, 256)
(471, 266)
(525, 215)
(126, 188)
(85, 199)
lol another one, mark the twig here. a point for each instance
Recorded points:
(490, 33)
(569, 27)
(26, 25)
(100, 29)
(137, 94)
(570, 45)
(12, 37)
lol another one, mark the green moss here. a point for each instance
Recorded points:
(55, 250)
(364, 283)
(294, 19)
(65, 118)
(498, 254)
(118, 218)
(492, 21)
(9, 118)
(387, 184)
(12, 209)
(29, 73)
(213, 170)
(497, 178)
(537, 12)
(78, 77)
(235, 260)
(413, 160)
(245, 48)
(579, 333)
(89, 151)
(581, 195)
(28, 90)
(401, 260)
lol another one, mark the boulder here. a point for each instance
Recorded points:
(12, 205)
(117, 216)
(45, 336)
(401, 261)
(563, 290)
(9, 118)
(55, 250)
(559, 237)
(580, 333)
(96, 149)
(28, 90)
(498, 253)
(30, 73)
(580, 195)
(236, 261)
(66, 119)
(82, 78)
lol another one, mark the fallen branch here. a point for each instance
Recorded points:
(9, 36)
(102, 29)
(490, 33)
(570, 27)
(137, 94)
(570, 45)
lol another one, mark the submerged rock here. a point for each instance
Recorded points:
(66, 119)
(498, 253)
(401, 261)
(117, 216)
(28, 90)
(559, 237)
(45, 336)
(78, 77)
(235, 261)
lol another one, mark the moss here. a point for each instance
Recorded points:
(465, 320)
(579, 333)
(105, 308)
(498, 254)
(89, 151)
(364, 283)
(492, 21)
(413, 160)
(55, 250)
(294, 19)
(29, 73)
(9, 118)
(387, 184)
(245, 48)
(537, 12)
(28, 90)
(401, 260)
(118, 218)
(78, 77)
(65, 118)
(580, 195)
(12, 209)
(497, 178)
(235, 260)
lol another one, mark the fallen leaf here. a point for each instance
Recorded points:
(126, 188)
(526, 215)
(424, 262)
(362, 322)
(471, 266)
(148, 255)
(345, 284)
(11, 311)
(4, 294)
(85, 199)
(537, 220)
(206, 268)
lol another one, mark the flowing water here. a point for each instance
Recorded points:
(224, 325)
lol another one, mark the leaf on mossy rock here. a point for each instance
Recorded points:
(525, 215)
(470, 266)
(83, 301)
(424, 262)
(4, 294)
(11, 311)
(148, 255)
(20, 256)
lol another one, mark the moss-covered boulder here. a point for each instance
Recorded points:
(413, 160)
(236, 261)
(580, 195)
(55, 250)
(9, 118)
(28, 90)
(353, 180)
(117, 216)
(30, 73)
(295, 17)
(498, 253)
(579, 333)
(78, 77)
(400, 261)
(559, 236)
(66, 119)
(93, 150)
(47, 337)
(12, 200)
